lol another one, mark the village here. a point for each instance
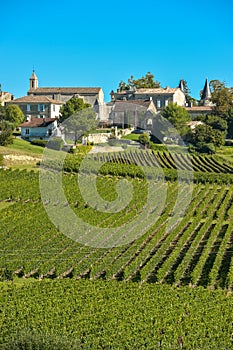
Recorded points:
(131, 109)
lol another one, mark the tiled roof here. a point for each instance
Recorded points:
(129, 105)
(37, 122)
(167, 90)
(198, 108)
(36, 99)
(66, 90)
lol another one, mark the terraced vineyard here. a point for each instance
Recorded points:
(197, 251)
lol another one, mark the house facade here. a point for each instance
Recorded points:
(92, 95)
(131, 113)
(38, 106)
(160, 96)
(38, 128)
(5, 97)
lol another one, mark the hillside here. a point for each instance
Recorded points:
(170, 253)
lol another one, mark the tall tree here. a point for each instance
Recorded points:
(222, 98)
(177, 116)
(78, 117)
(146, 81)
(186, 90)
(71, 107)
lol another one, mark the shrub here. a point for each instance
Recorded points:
(41, 143)
(6, 137)
(208, 148)
(55, 143)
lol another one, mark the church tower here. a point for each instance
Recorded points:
(33, 81)
(206, 95)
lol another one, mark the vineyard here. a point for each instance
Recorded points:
(197, 251)
(67, 314)
(61, 294)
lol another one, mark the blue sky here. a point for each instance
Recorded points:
(90, 43)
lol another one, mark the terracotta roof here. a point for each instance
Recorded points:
(167, 90)
(36, 99)
(37, 122)
(198, 108)
(66, 90)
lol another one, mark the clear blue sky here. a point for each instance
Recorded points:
(99, 43)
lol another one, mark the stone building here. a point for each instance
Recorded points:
(131, 113)
(91, 95)
(5, 97)
(160, 96)
(38, 106)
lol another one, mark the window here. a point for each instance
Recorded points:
(41, 108)
(27, 132)
(166, 103)
(158, 103)
(54, 108)
(28, 108)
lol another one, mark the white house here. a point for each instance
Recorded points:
(38, 128)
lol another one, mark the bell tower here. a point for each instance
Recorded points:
(33, 81)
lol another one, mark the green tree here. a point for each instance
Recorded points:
(205, 134)
(216, 122)
(146, 81)
(6, 137)
(144, 139)
(14, 115)
(222, 98)
(177, 116)
(189, 99)
(71, 107)
(81, 123)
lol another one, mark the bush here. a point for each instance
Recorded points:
(41, 143)
(55, 143)
(6, 137)
(208, 148)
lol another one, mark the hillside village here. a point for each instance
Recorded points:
(133, 107)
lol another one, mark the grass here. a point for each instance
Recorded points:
(4, 205)
(132, 137)
(23, 146)
(21, 154)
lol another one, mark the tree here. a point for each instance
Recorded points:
(222, 98)
(71, 107)
(10, 117)
(144, 139)
(205, 134)
(146, 81)
(177, 116)
(14, 115)
(216, 122)
(81, 123)
(189, 99)
(6, 137)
